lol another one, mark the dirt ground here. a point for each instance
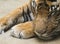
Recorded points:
(7, 6)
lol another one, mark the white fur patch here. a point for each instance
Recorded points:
(31, 14)
(58, 8)
(14, 32)
(21, 19)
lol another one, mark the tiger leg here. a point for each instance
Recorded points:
(23, 30)
(11, 19)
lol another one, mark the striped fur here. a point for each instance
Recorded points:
(45, 22)
(26, 30)
(19, 15)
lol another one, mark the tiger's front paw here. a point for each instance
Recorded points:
(24, 30)
(23, 34)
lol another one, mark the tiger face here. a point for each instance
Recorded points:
(47, 23)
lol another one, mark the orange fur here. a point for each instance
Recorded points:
(39, 25)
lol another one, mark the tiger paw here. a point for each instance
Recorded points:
(23, 30)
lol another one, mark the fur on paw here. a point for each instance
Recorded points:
(22, 30)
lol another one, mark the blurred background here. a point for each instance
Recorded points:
(8, 5)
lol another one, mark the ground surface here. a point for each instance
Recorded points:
(5, 7)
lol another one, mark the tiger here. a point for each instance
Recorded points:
(46, 24)
(43, 22)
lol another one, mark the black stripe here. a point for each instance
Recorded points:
(24, 16)
(55, 11)
(28, 13)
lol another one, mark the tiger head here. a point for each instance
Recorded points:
(47, 20)
(36, 4)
